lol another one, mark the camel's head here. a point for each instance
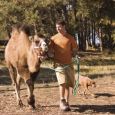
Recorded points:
(40, 46)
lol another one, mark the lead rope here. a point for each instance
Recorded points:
(75, 89)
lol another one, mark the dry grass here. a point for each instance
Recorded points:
(100, 67)
(93, 64)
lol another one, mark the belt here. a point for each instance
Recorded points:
(58, 64)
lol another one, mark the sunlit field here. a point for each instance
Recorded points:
(98, 66)
(93, 65)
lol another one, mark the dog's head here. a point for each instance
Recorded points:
(93, 84)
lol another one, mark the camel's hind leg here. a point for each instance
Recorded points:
(12, 74)
(17, 89)
(16, 83)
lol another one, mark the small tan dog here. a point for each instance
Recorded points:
(85, 82)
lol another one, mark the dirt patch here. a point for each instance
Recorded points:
(47, 92)
(47, 100)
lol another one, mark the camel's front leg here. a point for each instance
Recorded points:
(31, 99)
(30, 88)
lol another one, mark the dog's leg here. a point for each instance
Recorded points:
(78, 91)
(84, 92)
(90, 93)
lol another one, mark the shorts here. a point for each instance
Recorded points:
(65, 74)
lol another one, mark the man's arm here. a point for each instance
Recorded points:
(74, 52)
(74, 47)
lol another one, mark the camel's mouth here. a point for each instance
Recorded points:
(42, 58)
(41, 54)
(44, 55)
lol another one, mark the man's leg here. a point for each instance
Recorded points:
(67, 97)
(62, 91)
(67, 94)
(61, 77)
(63, 104)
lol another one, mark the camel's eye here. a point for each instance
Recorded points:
(36, 42)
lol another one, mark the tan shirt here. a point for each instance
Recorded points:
(63, 47)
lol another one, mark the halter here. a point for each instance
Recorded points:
(39, 51)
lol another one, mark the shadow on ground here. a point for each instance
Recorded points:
(104, 95)
(88, 109)
(46, 75)
(94, 76)
(97, 62)
(94, 108)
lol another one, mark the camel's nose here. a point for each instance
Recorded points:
(44, 47)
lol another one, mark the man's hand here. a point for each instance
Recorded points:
(74, 52)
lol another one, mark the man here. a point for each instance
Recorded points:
(63, 46)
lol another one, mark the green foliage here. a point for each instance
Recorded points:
(44, 13)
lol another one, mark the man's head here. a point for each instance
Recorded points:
(60, 26)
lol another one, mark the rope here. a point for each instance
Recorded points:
(65, 66)
(77, 81)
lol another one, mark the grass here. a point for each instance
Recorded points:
(93, 64)
(101, 65)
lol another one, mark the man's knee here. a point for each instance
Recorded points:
(63, 85)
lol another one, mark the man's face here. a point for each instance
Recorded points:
(60, 28)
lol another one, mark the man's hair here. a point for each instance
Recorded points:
(61, 22)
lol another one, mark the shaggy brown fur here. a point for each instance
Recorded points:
(23, 62)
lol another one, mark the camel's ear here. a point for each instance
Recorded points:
(31, 38)
(36, 38)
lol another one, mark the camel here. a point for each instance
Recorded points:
(23, 58)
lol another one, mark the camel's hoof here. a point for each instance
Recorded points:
(31, 102)
(32, 107)
(20, 103)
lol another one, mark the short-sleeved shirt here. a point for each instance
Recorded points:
(63, 46)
